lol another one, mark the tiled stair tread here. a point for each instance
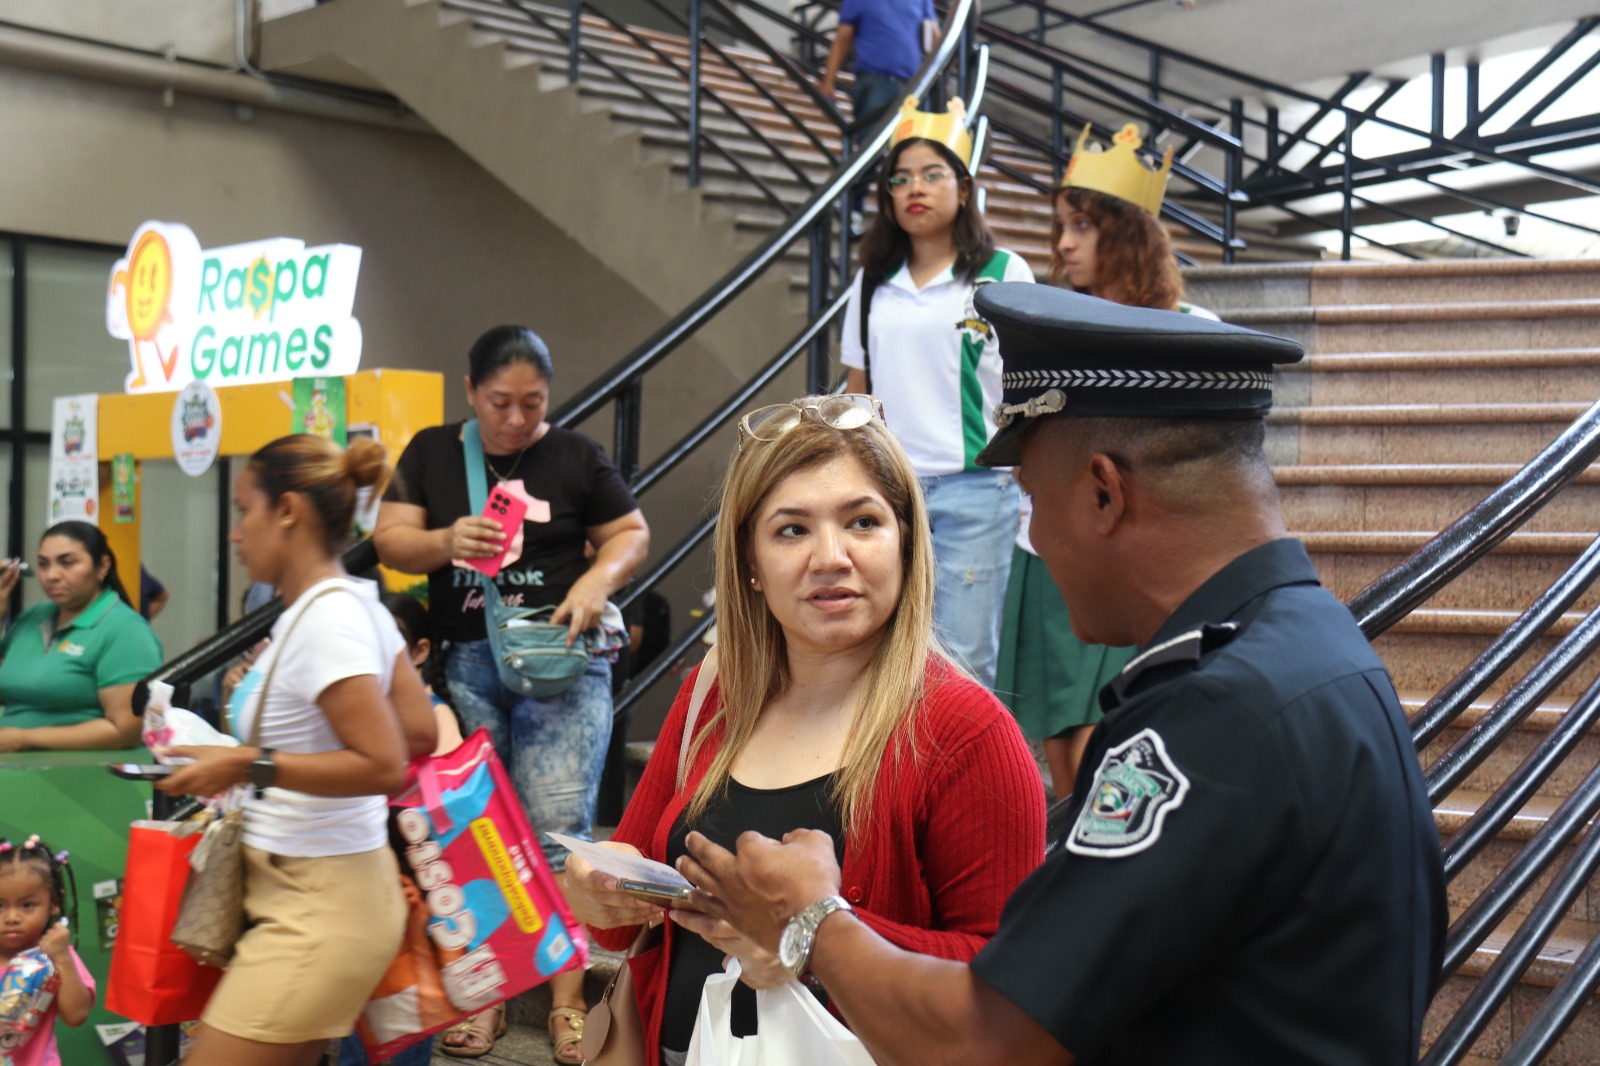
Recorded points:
(1510, 359)
(1409, 474)
(1452, 812)
(1555, 956)
(1418, 268)
(1408, 541)
(1474, 622)
(1544, 717)
(1427, 414)
(1344, 314)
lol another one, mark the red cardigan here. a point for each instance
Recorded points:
(952, 834)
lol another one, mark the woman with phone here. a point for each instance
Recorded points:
(554, 747)
(68, 665)
(832, 708)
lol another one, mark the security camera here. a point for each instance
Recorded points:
(1512, 222)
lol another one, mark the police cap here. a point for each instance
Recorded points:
(1064, 352)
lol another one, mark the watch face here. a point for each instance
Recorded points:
(794, 946)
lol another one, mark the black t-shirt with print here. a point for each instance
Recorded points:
(567, 470)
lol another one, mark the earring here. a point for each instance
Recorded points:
(755, 585)
(286, 523)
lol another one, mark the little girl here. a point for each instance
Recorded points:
(43, 976)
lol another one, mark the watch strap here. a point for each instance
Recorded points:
(811, 920)
(263, 771)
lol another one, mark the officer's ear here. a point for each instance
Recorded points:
(1110, 493)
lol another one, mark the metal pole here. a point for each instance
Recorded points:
(1231, 179)
(625, 434)
(15, 532)
(1474, 102)
(1155, 76)
(1437, 70)
(161, 1041)
(574, 32)
(695, 34)
(816, 298)
(1057, 134)
(1347, 213)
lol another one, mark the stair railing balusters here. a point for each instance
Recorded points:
(695, 33)
(1450, 701)
(574, 41)
(1234, 160)
(1558, 1011)
(1495, 902)
(1494, 987)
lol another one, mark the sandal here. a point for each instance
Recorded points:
(479, 1028)
(566, 1049)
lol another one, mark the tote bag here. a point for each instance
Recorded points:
(152, 979)
(487, 921)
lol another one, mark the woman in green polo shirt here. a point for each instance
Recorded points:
(68, 667)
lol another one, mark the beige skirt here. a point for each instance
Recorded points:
(324, 932)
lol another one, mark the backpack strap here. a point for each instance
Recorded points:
(869, 288)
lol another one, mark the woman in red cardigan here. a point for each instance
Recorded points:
(832, 709)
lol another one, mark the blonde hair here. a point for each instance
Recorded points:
(753, 666)
(328, 477)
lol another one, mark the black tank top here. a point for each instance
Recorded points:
(772, 812)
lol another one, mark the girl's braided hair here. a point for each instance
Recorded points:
(51, 866)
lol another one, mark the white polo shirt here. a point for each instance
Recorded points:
(938, 394)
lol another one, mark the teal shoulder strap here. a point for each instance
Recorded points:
(477, 484)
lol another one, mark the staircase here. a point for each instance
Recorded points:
(1427, 385)
(590, 156)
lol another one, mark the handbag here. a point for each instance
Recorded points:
(792, 1029)
(153, 981)
(613, 1032)
(530, 652)
(211, 916)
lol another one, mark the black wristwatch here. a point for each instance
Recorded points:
(263, 772)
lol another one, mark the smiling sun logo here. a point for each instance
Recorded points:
(139, 305)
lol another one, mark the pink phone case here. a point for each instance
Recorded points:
(506, 511)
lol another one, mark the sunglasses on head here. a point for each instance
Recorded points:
(850, 410)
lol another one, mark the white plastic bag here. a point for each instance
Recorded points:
(792, 1029)
(166, 726)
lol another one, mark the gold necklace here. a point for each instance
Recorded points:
(503, 478)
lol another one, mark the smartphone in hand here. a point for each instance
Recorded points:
(505, 511)
(665, 895)
(133, 771)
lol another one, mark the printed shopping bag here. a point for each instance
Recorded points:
(487, 920)
(152, 980)
(792, 1029)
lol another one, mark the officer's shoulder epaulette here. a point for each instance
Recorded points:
(1184, 649)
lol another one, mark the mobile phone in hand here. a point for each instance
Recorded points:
(666, 895)
(505, 511)
(134, 771)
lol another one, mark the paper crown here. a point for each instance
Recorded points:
(948, 128)
(1118, 171)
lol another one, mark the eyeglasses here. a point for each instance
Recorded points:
(933, 177)
(850, 410)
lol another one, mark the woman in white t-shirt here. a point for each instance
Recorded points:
(935, 365)
(340, 710)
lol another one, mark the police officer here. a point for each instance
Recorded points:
(1250, 872)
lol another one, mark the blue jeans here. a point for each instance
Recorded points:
(554, 749)
(351, 1053)
(974, 517)
(870, 96)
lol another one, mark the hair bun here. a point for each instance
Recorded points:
(366, 462)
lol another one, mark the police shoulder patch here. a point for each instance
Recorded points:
(1134, 790)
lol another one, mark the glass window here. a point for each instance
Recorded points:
(5, 337)
(69, 350)
(35, 512)
(178, 544)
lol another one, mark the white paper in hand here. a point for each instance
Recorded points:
(621, 863)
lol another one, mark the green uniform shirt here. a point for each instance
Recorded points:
(59, 684)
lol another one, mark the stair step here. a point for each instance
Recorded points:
(1441, 280)
(1397, 542)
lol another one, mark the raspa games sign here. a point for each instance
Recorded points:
(264, 311)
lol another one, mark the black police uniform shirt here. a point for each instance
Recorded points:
(1252, 873)
(567, 470)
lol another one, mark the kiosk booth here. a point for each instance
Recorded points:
(180, 307)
